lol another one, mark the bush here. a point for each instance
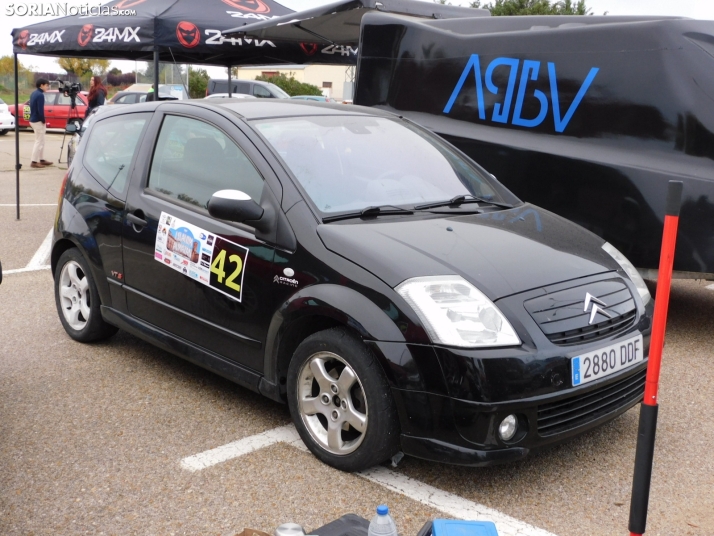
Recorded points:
(291, 86)
(197, 83)
(125, 79)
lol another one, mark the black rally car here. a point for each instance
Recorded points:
(354, 265)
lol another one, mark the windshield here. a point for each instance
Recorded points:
(347, 163)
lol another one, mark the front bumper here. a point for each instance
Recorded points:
(451, 401)
(444, 429)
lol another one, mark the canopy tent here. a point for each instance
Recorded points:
(180, 31)
(339, 23)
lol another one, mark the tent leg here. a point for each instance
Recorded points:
(230, 91)
(156, 73)
(17, 143)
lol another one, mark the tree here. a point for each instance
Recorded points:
(7, 66)
(533, 7)
(197, 82)
(115, 71)
(83, 66)
(291, 86)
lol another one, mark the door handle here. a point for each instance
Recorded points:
(136, 221)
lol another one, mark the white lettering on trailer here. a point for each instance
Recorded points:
(217, 38)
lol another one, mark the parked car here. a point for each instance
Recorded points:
(7, 120)
(58, 110)
(317, 98)
(127, 97)
(354, 265)
(262, 90)
(231, 96)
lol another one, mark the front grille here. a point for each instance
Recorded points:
(565, 320)
(570, 413)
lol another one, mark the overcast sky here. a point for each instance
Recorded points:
(696, 9)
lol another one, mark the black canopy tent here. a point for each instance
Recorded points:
(339, 23)
(177, 31)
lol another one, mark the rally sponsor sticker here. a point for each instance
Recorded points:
(206, 258)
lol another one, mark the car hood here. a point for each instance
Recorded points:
(501, 253)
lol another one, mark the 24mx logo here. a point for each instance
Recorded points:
(529, 71)
(217, 38)
(342, 50)
(41, 39)
(110, 34)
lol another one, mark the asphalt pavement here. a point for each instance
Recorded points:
(92, 436)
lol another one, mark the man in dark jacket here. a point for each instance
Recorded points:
(37, 122)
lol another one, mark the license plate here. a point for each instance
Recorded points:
(605, 361)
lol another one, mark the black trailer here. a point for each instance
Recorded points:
(588, 117)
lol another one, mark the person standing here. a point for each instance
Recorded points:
(97, 95)
(150, 95)
(37, 122)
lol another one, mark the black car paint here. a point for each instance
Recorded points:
(449, 400)
(645, 119)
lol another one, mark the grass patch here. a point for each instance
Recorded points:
(9, 98)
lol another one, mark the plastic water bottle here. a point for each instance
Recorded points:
(382, 524)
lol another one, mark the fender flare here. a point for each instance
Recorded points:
(73, 228)
(342, 304)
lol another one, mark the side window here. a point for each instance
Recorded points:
(242, 87)
(260, 91)
(110, 149)
(193, 160)
(49, 98)
(65, 101)
(142, 98)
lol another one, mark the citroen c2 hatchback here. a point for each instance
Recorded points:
(355, 266)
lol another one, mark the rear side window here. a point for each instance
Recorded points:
(111, 147)
(243, 87)
(193, 160)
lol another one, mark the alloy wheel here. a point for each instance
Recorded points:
(332, 403)
(74, 295)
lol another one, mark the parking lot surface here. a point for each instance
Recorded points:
(95, 438)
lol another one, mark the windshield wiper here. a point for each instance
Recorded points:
(459, 200)
(382, 210)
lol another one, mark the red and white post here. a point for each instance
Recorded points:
(648, 410)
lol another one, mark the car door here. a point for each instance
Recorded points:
(50, 108)
(204, 280)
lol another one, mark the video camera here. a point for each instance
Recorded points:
(70, 90)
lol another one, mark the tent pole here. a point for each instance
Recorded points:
(230, 92)
(17, 142)
(156, 72)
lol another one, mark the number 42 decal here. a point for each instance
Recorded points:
(227, 265)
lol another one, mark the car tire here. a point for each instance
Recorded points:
(340, 401)
(77, 299)
(3, 132)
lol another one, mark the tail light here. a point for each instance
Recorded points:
(63, 187)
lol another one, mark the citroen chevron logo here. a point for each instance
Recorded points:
(590, 299)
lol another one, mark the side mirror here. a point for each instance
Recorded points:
(234, 205)
(70, 128)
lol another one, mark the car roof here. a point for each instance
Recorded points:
(260, 108)
(267, 108)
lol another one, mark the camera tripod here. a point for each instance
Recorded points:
(75, 119)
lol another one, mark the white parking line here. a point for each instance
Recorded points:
(710, 287)
(38, 260)
(448, 503)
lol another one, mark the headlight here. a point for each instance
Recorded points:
(630, 270)
(455, 313)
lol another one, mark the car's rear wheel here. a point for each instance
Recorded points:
(77, 299)
(340, 401)
(3, 132)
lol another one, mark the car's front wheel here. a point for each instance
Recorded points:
(77, 299)
(340, 401)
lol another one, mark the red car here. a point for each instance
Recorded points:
(57, 109)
